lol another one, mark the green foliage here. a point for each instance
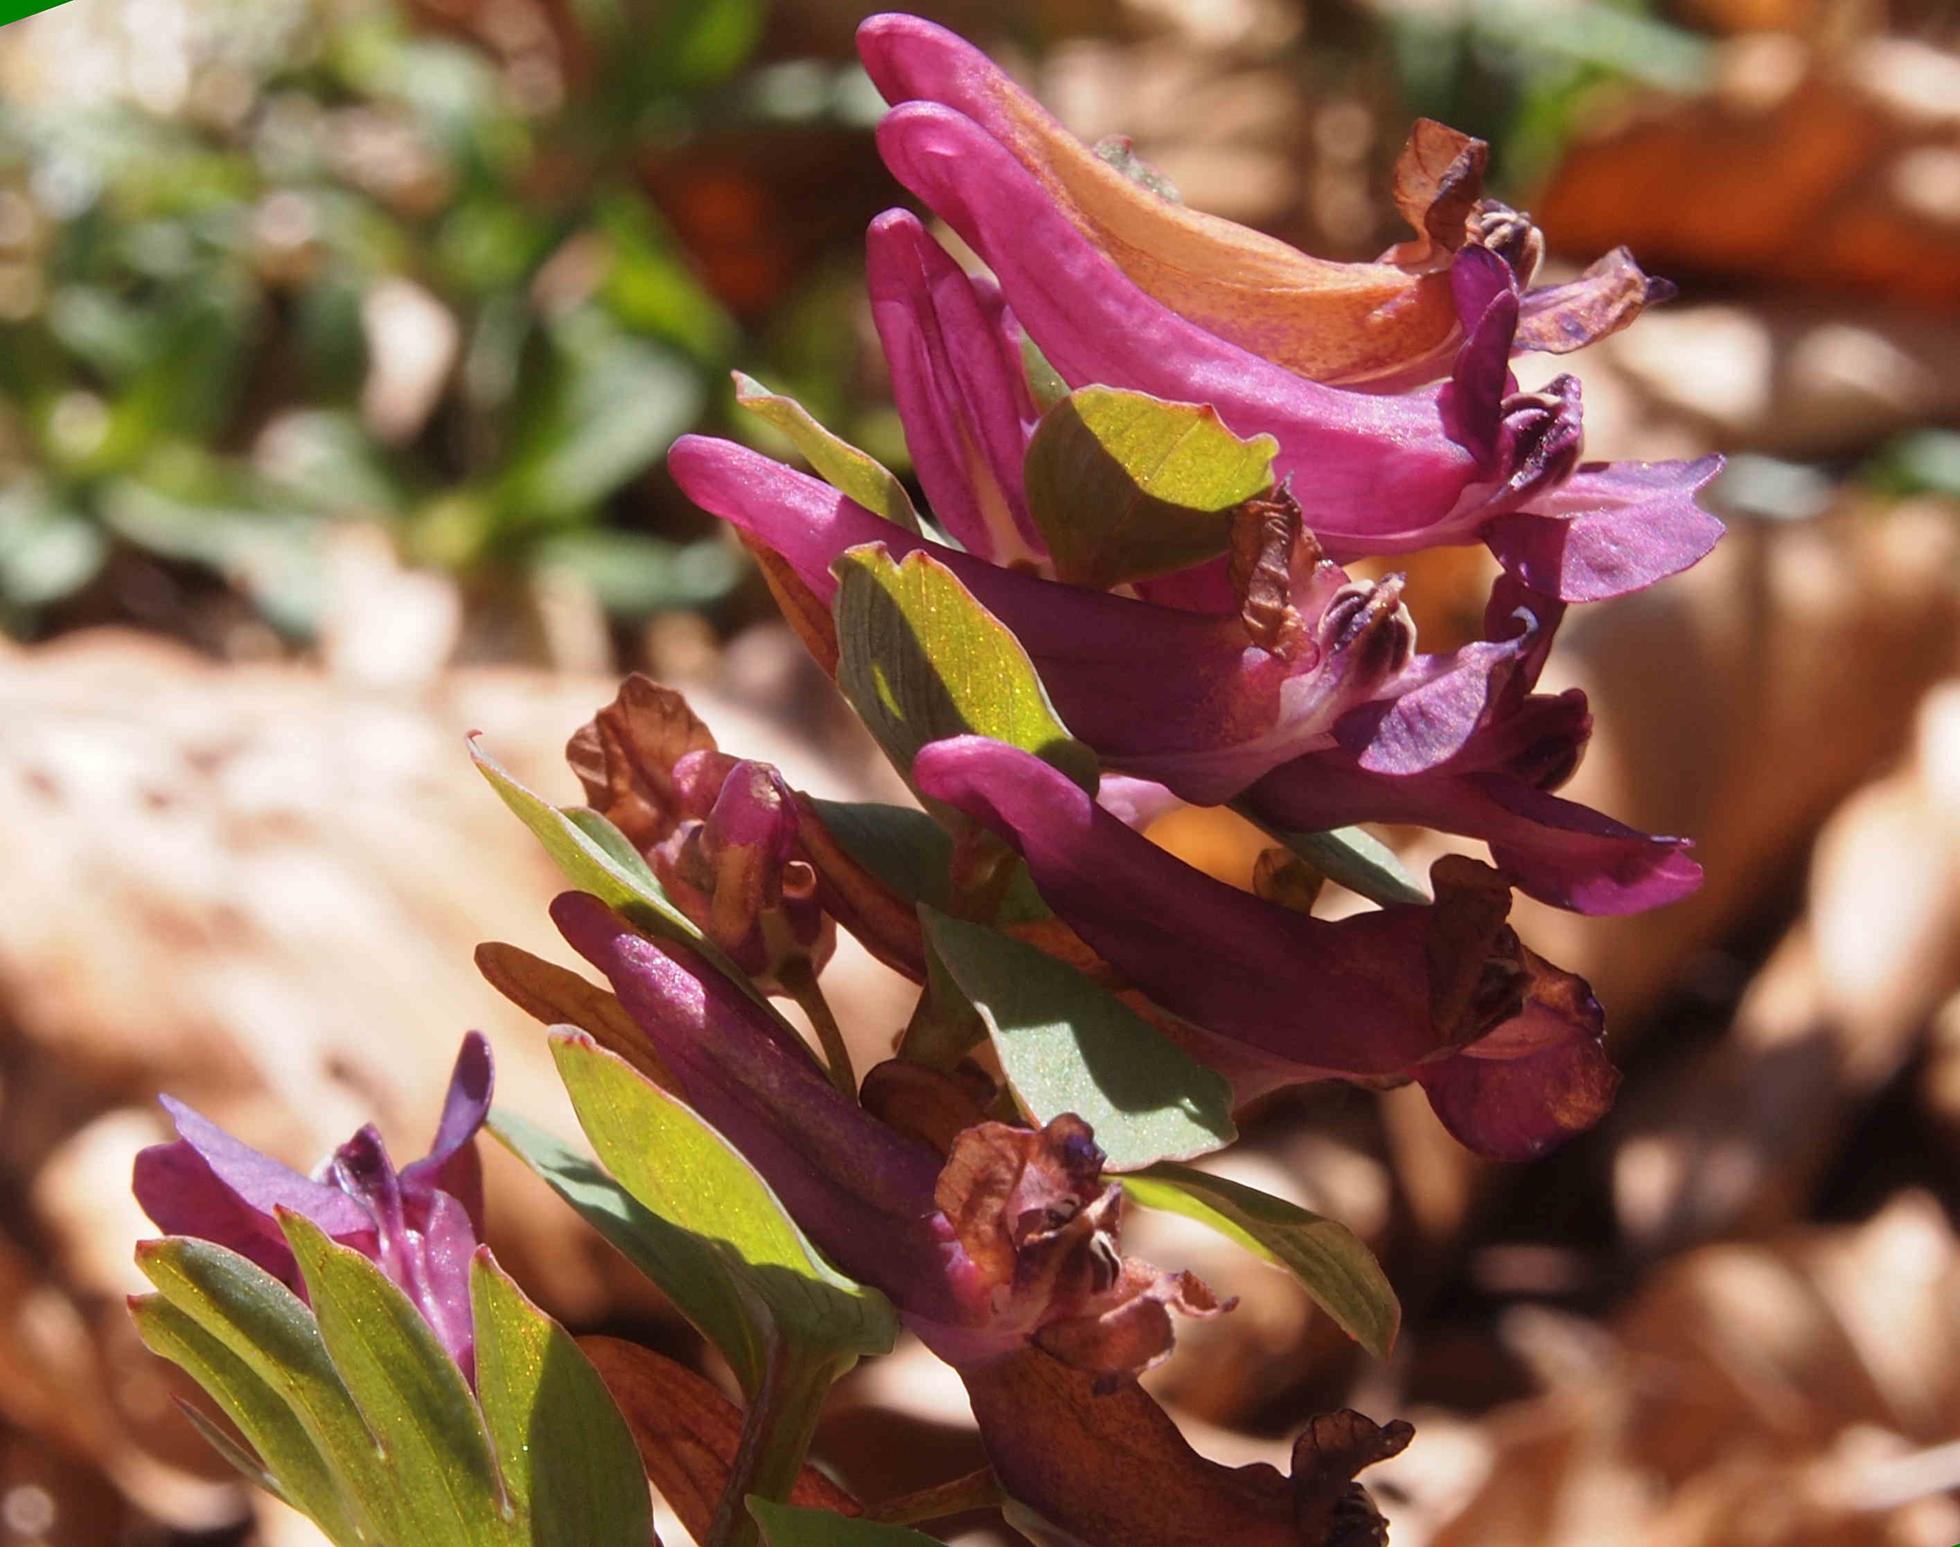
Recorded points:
(356, 1417)
(1337, 1270)
(1125, 486)
(1068, 1045)
(745, 1247)
(921, 660)
(841, 465)
(204, 282)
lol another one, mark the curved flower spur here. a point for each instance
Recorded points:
(1119, 285)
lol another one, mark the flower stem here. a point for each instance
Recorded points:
(776, 1433)
(802, 985)
(960, 1496)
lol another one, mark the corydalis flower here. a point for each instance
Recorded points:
(1471, 459)
(722, 833)
(1004, 1260)
(419, 1225)
(1506, 1047)
(1379, 324)
(1202, 702)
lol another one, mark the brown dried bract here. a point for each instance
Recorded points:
(625, 757)
(1266, 532)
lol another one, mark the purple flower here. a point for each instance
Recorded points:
(1011, 1242)
(419, 1225)
(1466, 746)
(1119, 287)
(1202, 702)
(1004, 1259)
(724, 835)
(1309, 701)
(1507, 1048)
(1377, 324)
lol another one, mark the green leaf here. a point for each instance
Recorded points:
(1067, 1044)
(921, 660)
(408, 1390)
(568, 1461)
(1337, 1270)
(680, 1169)
(1359, 861)
(913, 855)
(595, 857)
(269, 1329)
(688, 1269)
(837, 462)
(784, 1525)
(1125, 486)
(285, 1452)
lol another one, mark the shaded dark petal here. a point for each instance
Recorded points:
(863, 1192)
(1554, 849)
(1347, 998)
(1472, 403)
(1536, 1081)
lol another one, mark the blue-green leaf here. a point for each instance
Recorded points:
(1067, 1044)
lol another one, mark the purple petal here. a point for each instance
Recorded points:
(1486, 299)
(1611, 528)
(446, 1243)
(1440, 702)
(1347, 998)
(259, 1183)
(1555, 850)
(1369, 466)
(1535, 1082)
(452, 1164)
(962, 396)
(1609, 295)
(181, 1193)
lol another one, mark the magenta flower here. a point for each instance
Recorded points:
(1467, 747)
(1471, 459)
(419, 1225)
(1506, 1047)
(1202, 702)
(1321, 722)
(1004, 1259)
(1011, 1242)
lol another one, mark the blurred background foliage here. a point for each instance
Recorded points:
(340, 341)
(461, 269)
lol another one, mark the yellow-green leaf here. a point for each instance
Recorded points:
(851, 472)
(1124, 486)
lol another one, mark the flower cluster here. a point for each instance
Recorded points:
(1149, 443)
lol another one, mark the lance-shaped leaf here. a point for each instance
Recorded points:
(555, 996)
(268, 1329)
(407, 1389)
(681, 1170)
(596, 857)
(1068, 1045)
(921, 660)
(1328, 1259)
(285, 1456)
(688, 1269)
(569, 1465)
(1126, 487)
(837, 462)
(784, 1525)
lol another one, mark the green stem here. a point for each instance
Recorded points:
(802, 985)
(776, 1434)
